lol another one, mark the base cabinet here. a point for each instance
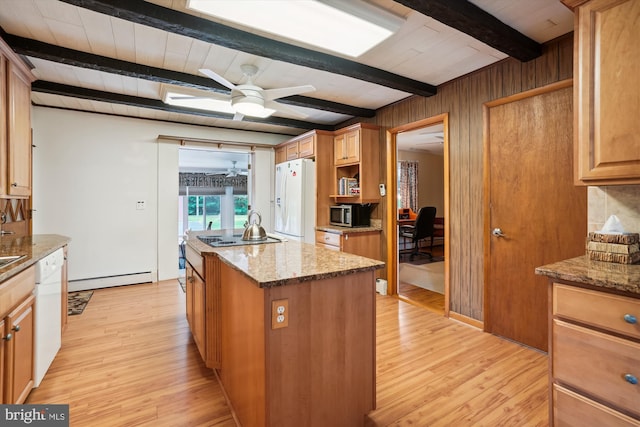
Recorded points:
(366, 244)
(595, 358)
(202, 288)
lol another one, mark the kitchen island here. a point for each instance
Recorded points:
(315, 364)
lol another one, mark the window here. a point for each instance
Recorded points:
(203, 212)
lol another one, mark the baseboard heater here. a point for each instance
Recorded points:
(110, 281)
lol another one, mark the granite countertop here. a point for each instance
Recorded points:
(34, 247)
(286, 263)
(346, 230)
(608, 275)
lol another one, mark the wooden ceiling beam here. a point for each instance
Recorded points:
(37, 49)
(479, 24)
(135, 101)
(176, 22)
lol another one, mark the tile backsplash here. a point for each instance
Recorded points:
(620, 200)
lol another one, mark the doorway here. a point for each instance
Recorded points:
(214, 191)
(419, 275)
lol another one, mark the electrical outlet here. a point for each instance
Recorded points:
(140, 205)
(279, 313)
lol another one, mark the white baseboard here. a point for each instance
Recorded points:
(110, 281)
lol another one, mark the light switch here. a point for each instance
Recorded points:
(140, 205)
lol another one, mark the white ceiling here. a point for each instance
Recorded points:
(423, 49)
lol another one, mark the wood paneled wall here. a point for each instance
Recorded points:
(463, 99)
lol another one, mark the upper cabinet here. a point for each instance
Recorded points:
(356, 152)
(303, 146)
(346, 147)
(606, 101)
(15, 124)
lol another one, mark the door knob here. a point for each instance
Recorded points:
(497, 232)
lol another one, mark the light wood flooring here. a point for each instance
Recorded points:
(128, 360)
(425, 298)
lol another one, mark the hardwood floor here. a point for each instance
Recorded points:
(128, 360)
(430, 300)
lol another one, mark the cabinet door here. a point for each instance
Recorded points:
(199, 310)
(189, 272)
(19, 133)
(292, 151)
(365, 244)
(306, 147)
(281, 154)
(352, 146)
(20, 352)
(607, 60)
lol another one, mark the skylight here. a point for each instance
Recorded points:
(347, 27)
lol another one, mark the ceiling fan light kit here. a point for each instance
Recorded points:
(356, 26)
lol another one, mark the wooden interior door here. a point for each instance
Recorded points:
(530, 197)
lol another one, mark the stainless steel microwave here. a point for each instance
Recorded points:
(350, 215)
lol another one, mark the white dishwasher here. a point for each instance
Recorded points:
(48, 314)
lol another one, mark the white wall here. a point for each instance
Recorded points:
(89, 170)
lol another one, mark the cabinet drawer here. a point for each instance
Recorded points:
(598, 309)
(195, 259)
(597, 363)
(571, 409)
(328, 238)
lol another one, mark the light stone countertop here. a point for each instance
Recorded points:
(286, 263)
(346, 230)
(606, 275)
(34, 247)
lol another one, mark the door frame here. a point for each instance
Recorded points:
(391, 218)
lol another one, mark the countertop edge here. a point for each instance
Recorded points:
(599, 274)
(199, 247)
(45, 243)
(346, 230)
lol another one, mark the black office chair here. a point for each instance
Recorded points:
(422, 229)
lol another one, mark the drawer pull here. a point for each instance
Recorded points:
(631, 379)
(630, 318)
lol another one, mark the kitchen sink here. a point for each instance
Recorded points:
(6, 260)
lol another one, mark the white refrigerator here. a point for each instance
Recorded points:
(295, 200)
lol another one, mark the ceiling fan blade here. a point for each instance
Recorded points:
(224, 82)
(282, 108)
(271, 94)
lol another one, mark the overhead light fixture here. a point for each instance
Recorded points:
(197, 102)
(245, 105)
(347, 27)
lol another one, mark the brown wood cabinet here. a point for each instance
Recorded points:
(202, 285)
(366, 244)
(606, 102)
(17, 329)
(595, 358)
(346, 147)
(319, 370)
(303, 146)
(15, 124)
(19, 352)
(357, 155)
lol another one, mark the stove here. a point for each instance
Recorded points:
(235, 240)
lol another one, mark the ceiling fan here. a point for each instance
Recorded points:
(247, 99)
(231, 172)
